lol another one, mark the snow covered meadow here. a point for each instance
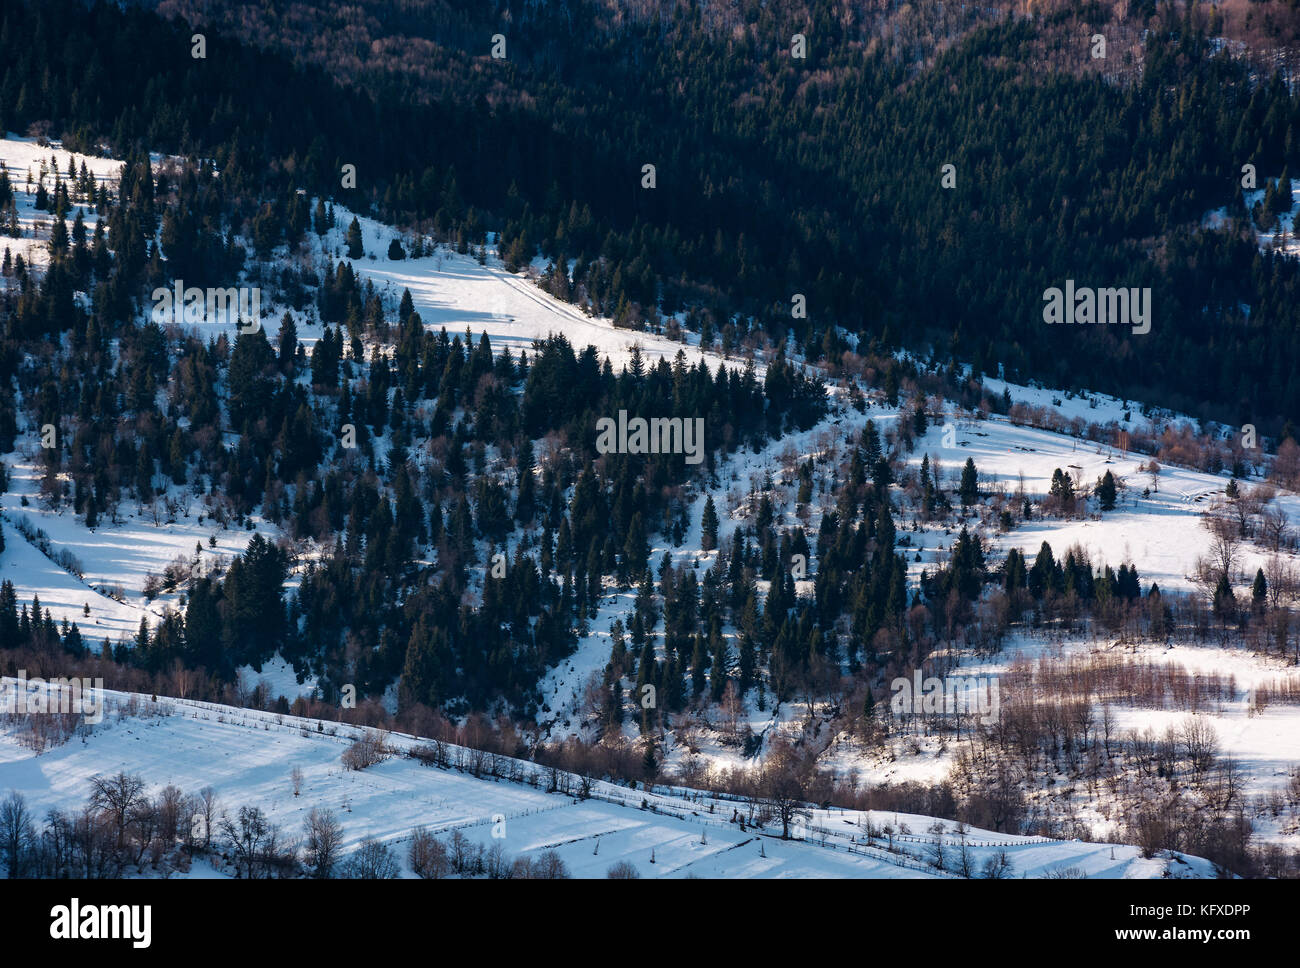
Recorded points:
(249, 758)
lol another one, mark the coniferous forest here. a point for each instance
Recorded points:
(823, 231)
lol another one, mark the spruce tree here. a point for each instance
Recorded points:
(1106, 492)
(709, 526)
(1259, 589)
(969, 490)
(355, 250)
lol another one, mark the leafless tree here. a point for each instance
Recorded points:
(965, 861)
(1225, 784)
(143, 823)
(367, 751)
(1286, 466)
(1225, 541)
(248, 837)
(938, 855)
(323, 837)
(428, 856)
(206, 812)
(373, 861)
(460, 852)
(998, 867)
(496, 865)
(1281, 577)
(1200, 742)
(117, 797)
(16, 833)
(549, 866)
(171, 807)
(784, 793)
(1107, 726)
(1276, 526)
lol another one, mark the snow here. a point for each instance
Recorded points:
(1160, 532)
(114, 558)
(1281, 239)
(453, 291)
(23, 156)
(247, 756)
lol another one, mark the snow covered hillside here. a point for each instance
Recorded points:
(927, 461)
(248, 758)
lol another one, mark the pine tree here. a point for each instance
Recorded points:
(1225, 602)
(1259, 589)
(288, 341)
(709, 526)
(969, 490)
(636, 549)
(1042, 574)
(59, 238)
(920, 424)
(1106, 492)
(927, 489)
(355, 250)
(649, 765)
(526, 500)
(1062, 488)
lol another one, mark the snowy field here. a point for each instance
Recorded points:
(1160, 531)
(115, 559)
(247, 757)
(24, 159)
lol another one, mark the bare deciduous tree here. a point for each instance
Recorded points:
(1276, 526)
(784, 793)
(16, 833)
(373, 861)
(428, 855)
(1225, 541)
(1200, 743)
(1280, 575)
(324, 834)
(118, 797)
(998, 867)
(248, 837)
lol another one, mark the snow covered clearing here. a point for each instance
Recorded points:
(247, 757)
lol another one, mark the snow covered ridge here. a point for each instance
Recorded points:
(487, 805)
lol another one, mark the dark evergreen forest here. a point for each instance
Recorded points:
(775, 175)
